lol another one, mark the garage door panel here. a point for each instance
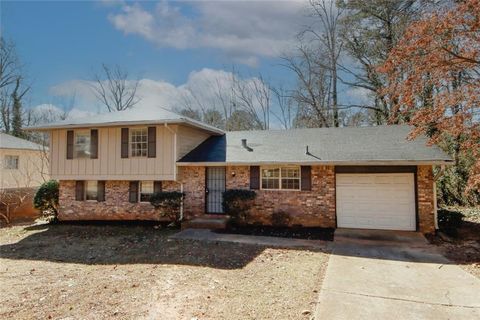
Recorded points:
(376, 201)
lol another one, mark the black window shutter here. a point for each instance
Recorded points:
(124, 148)
(306, 176)
(70, 144)
(254, 177)
(79, 191)
(152, 142)
(157, 186)
(93, 144)
(133, 192)
(101, 191)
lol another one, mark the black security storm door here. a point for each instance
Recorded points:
(215, 186)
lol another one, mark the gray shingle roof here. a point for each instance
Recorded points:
(353, 145)
(128, 117)
(10, 142)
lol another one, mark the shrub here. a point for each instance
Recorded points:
(168, 203)
(237, 204)
(46, 199)
(281, 219)
(449, 221)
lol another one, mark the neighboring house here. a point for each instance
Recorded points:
(365, 177)
(24, 167)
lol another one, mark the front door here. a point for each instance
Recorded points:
(215, 186)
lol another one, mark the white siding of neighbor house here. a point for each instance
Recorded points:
(32, 169)
(110, 165)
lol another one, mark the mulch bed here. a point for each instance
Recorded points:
(307, 233)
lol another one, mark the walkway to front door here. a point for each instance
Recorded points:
(214, 188)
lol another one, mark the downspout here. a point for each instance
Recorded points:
(435, 206)
(181, 203)
(174, 149)
(175, 165)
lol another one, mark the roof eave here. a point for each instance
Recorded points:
(126, 123)
(337, 163)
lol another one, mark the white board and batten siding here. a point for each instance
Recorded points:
(376, 201)
(171, 144)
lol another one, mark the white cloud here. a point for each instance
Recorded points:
(359, 96)
(48, 112)
(243, 30)
(206, 85)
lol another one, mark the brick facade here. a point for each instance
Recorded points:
(117, 206)
(425, 185)
(306, 208)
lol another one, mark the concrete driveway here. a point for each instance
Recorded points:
(394, 275)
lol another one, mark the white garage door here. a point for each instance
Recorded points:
(376, 201)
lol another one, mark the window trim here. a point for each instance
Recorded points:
(130, 149)
(139, 195)
(6, 163)
(88, 147)
(297, 167)
(85, 190)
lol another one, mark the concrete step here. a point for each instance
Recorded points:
(206, 222)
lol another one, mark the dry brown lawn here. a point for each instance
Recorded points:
(135, 272)
(464, 249)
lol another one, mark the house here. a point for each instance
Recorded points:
(23, 169)
(365, 177)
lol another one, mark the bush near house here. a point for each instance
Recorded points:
(237, 204)
(168, 204)
(449, 221)
(281, 219)
(46, 199)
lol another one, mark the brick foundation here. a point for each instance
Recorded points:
(306, 208)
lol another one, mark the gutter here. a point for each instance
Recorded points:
(435, 206)
(174, 149)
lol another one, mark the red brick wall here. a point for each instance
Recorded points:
(307, 208)
(117, 206)
(425, 187)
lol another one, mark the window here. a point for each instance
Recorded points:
(11, 162)
(146, 190)
(82, 144)
(91, 190)
(281, 178)
(138, 142)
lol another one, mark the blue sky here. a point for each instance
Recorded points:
(171, 44)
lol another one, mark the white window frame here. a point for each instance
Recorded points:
(280, 177)
(81, 147)
(140, 190)
(131, 143)
(91, 183)
(11, 162)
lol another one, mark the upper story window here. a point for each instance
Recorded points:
(146, 190)
(11, 162)
(281, 178)
(81, 147)
(138, 142)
